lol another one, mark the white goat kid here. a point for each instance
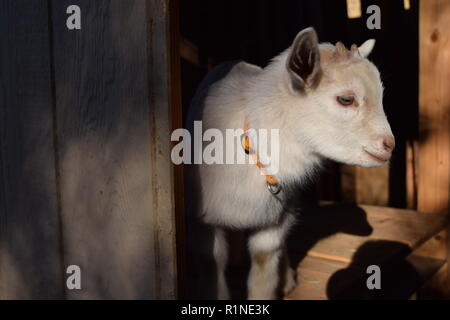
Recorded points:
(327, 103)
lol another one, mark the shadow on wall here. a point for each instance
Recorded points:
(103, 147)
(103, 96)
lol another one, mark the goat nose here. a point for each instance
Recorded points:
(389, 143)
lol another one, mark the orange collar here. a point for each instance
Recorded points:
(271, 180)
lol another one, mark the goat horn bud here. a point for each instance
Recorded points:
(342, 52)
(340, 47)
(354, 50)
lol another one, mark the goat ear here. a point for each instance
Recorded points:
(303, 63)
(366, 48)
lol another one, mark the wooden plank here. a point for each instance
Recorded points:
(30, 259)
(321, 279)
(431, 289)
(435, 247)
(176, 113)
(343, 248)
(336, 257)
(409, 232)
(312, 278)
(372, 186)
(434, 110)
(434, 106)
(401, 230)
(365, 185)
(163, 92)
(113, 146)
(411, 174)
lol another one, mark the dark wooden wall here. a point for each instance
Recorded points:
(85, 178)
(30, 252)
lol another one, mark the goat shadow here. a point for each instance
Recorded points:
(398, 277)
(318, 222)
(314, 223)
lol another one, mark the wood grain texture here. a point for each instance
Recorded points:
(434, 105)
(408, 228)
(322, 279)
(435, 247)
(335, 243)
(116, 211)
(434, 111)
(372, 186)
(411, 174)
(312, 278)
(439, 280)
(176, 115)
(30, 260)
(161, 97)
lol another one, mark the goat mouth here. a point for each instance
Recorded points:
(375, 157)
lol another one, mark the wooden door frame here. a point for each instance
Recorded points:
(177, 122)
(165, 116)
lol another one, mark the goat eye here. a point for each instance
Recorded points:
(346, 100)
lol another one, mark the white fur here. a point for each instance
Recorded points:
(313, 127)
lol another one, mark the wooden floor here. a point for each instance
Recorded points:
(338, 242)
